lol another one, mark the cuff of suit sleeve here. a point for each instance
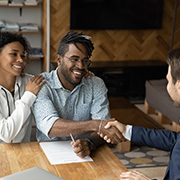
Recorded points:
(128, 132)
(28, 98)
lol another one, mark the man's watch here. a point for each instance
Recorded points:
(91, 145)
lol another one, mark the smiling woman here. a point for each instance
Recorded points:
(17, 90)
(13, 59)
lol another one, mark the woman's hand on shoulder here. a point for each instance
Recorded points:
(35, 83)
(88, 74)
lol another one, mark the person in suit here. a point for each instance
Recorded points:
(161, 139)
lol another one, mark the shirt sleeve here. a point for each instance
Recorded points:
(128, 132)
(11, 126)
(100, 105)
(44, 110)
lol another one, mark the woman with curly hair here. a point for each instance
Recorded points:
(17, 90)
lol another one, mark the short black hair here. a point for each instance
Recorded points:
(173, 60)
(72, 38)
(7, 37)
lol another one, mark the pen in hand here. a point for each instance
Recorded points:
(72, 138)
(78, 147)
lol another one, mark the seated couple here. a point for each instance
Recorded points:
(63, 101)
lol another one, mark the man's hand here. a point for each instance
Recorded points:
(81, 148)
(113, 127)
(133, 175)
(110, 132)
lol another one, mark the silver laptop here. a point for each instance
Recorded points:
(34, 173)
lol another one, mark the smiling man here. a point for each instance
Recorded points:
(69, 102)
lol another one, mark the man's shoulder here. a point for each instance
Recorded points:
(51, 78)
(48, 75)
(94, 79)
(94, 83)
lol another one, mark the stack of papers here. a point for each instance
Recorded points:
(3, 2)
(16, 3)
(28, 27)
(13, 26)
(10, 26)
(30, 2)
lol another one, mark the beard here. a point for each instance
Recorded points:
(67, 75)
(69, 79)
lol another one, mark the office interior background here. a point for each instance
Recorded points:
(127, 34)
(127, 52)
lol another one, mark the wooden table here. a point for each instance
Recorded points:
(21, 156)
(125, 112)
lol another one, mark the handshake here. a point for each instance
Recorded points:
(112, 131)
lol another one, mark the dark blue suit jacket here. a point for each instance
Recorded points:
(161, 139)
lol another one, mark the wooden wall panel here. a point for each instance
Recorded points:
(117, 45)
(44, 33)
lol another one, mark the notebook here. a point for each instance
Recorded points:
(34, 173)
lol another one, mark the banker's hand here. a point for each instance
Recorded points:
(81, 148)
(110, 133)
(111, 124)
(133, 175)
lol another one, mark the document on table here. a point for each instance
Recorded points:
(61, 152)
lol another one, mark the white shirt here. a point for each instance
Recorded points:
(128, 132)
(15, 112)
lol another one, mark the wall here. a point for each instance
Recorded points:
(117, 45)
(28, 15)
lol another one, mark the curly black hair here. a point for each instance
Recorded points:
(7, 37)
(72, 38)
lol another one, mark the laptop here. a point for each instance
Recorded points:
(34, 173)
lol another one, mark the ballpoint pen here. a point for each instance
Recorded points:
(72, 137)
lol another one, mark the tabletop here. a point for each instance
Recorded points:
(21, 156)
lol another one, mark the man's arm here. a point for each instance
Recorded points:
(63, 127)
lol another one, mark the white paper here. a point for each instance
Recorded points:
(61, 152)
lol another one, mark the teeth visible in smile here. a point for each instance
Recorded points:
(75, 72)
(18, 67)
